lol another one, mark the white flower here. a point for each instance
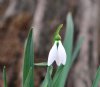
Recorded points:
(57, 53)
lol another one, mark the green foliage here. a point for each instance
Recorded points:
(28, 81)
(57, 74)
(28, 59)
(28, 66)
(68, 44)
(59, 78)
(48, 81)
(97, 78)
(4, 76)
(62, 71)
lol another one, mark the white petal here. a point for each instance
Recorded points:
(52, 54)
(61, 53)
(58, 60)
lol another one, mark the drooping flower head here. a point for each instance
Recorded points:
(57, 52)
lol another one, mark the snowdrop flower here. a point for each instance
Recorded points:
(57, 52)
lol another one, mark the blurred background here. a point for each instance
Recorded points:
(16, 18)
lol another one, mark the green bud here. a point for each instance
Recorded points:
(57, 36)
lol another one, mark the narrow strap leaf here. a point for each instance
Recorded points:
(28, 79)
(4, 76)
(97, 78)
(48, 81)
(28, 58)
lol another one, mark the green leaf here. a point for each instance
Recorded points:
(28, 58)
(68, 41)
(40, 64)
(68, 44)
(57, 74)
(97, 78)
(48, 81)
(28, 79)
(4, 76)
